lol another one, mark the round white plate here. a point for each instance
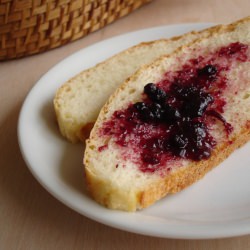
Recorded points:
(217, 206)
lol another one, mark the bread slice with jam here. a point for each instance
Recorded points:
(172, 121)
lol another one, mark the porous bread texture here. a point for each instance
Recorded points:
(126, 187)
(78, 102)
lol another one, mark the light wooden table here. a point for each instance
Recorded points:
(30, 218)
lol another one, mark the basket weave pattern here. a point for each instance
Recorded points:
(31, 26)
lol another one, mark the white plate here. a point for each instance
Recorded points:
(217, 206)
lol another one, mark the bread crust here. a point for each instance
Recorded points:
(104, 193)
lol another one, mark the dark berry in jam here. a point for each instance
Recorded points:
(197, 105)
(208, 71)
(144, 111)
(179, 141)
(141, 107)
(185, 92)
(151, 112)
(192, 140)
(196, 132)
(193, 101)
(207, 75)
(157, 111)
(173, 120)
(171, 114)
(154, 93)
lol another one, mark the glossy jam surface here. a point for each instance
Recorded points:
(172, 120)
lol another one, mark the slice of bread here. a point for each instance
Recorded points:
(78, 102)
(115, 175)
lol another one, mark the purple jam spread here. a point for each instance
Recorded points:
(172, 120)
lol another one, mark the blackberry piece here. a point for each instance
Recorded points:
(186, 93)
(179, 141)
(149, 112)
(198, 105)
(207, 75)
(198, 135)
(191, 140)
(200, 144)
(154, 93)
(140, 106)
(144, 112)
(171, 114)
(209, 71)
(195, 129)
(157, 111)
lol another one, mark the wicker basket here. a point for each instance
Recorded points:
(31, 26)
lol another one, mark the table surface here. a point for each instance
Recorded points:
(30, 218)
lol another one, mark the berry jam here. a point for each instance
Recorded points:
(172, 120)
